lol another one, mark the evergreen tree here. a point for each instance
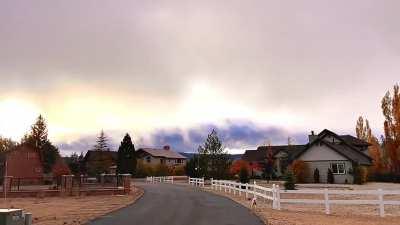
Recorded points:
(330, 177)
(37, 138)
(316, 175)
(101, 144)
(290, 180)
(244, 175)
(126, 162)
(215, 158)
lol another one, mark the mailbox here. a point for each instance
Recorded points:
(12, 217)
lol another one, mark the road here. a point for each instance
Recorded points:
(168, 204)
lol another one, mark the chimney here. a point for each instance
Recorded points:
(312, 137)
(166, 147)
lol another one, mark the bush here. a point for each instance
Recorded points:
(316, 175)
(143, 170)
(290, 180)
(178, 171)
(360, 175)
(162, 170)
(386, 177)
(330, 177)
(244, 175)
(300, 170)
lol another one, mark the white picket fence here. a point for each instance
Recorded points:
(196, 181)
(275, 195)
(167, 179)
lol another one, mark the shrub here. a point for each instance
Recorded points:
(316, 175)
(161, 170)
(143, 170)
(330, 177)
(290, 180)
(244, 175)
(179, 171)
(360, 175)
(387, 177)
(300, 170)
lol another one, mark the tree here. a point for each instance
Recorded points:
(6, 144)
(269, 163)
(238, 165)
(101, 144)
(49, 156)
(126, 162)
(330, 177)
(290, 180)
(300, 170)
(244, 175)
(37, 138)
(215, 158)
(38, 134)
(75, 163)
(316, 175)
(391, 112)
(375, 151)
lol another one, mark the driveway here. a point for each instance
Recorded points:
(171, 204)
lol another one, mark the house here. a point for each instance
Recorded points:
(154, 157)
(327, 150)
(24, 162)
(98, 162)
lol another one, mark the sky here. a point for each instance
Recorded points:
(168, 72)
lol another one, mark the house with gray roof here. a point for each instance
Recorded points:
(166, 156)
(327, 150)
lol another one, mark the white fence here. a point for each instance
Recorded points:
(196, 181)
(276, 195)
(168, 179)
(249, 190)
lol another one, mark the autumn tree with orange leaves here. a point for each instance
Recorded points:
(364, 132)
(391, 111)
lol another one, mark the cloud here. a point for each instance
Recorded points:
(236, 136)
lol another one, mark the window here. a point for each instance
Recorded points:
(148, 159)
(338, 168)
(162, 161)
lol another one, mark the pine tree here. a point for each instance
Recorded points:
(290, 180)
(101, 142)
(38, 134)
(215, 157)
(38, 138)
(126, 162)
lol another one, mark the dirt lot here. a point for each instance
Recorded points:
(295, 214)
(70, 210)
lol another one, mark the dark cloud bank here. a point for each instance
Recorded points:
(235, 135)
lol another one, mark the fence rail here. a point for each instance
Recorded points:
(276, 195)
(196, 181)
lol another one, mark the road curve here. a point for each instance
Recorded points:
(167, 204)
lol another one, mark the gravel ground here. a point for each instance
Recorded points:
(70, 210)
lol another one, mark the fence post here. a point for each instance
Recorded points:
(278, 196)
(247, 191)
(381, 203)
(327, 208)
(203, 181)
(212, 184)
(273, 196)
(220, 185)
(254, 189)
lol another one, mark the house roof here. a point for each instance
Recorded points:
(261, 153)
(348, 147)
(93, 154)
(162, 153)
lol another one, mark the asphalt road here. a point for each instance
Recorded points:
(168, 204)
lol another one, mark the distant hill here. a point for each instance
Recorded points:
(190, 155)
